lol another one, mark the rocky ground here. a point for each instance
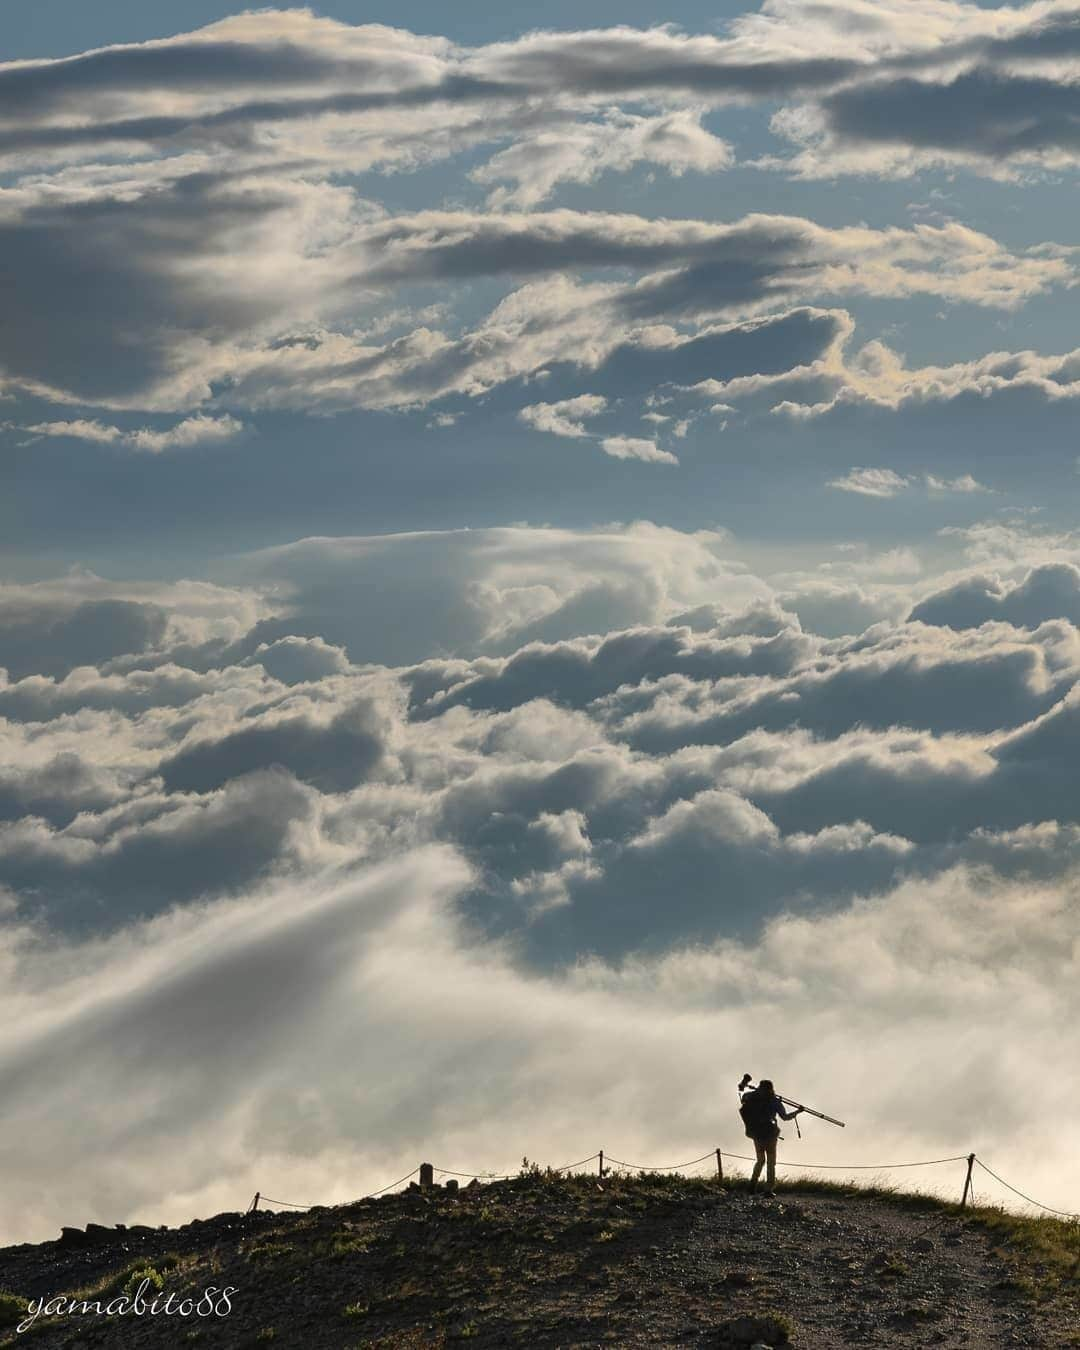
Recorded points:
(561, 1262)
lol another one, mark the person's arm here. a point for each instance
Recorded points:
(786, 1115)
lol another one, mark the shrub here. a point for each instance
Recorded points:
(12, 1309)
(137, 1274)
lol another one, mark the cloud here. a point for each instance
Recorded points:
(965, 484)
(51, 627)
(878, 377)
(54, 641)
(333, 757)
(250, 281)
(573, 782)
(699, 820)
(636, 447)
(1051, 591)
(871, 482)
(565, 418)
(148, 855)
(881, 482)
(298, 660)
(259, 990)
(899, 126)
(197, 430)
(398, 598)
(540, 160)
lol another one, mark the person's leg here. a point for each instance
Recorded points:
(759, 1149)
(770, 1175)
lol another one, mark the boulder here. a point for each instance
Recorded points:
(744, 1333)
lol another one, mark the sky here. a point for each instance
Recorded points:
(539, 573)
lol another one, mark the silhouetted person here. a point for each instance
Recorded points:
(759, 1110)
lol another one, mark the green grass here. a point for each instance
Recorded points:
(268, 1252)
(1044, 1250)
(12, 1310)
(1042, 1253)
(345, 1242)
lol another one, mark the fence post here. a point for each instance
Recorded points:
(719, 1165)
(254, 1204)
(967, 1180)
(427, 1176)
(601, 1162)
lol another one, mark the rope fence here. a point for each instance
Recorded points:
(855, 1167)
(427, 1171)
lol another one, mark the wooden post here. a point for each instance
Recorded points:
(967, 1180)
(601, 1162)
(427, 1175)
(254, 1204)
(719, 1165)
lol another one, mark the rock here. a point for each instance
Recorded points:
(744, 1333)
(72, 1237)
(452, 1186)
(97, 1232)
(922, 1244)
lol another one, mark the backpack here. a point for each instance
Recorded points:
(757, 1114)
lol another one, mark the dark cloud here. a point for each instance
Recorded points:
(156, 855)
(981, 112)
(297, 660)
(952, 692)
(1050, 591)
(57, 790)
(769, 346)
(576, 673)
(52, 639)
(333, 757)
(108, 290)
(714, 868)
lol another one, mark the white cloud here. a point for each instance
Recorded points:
(565, 418)
(880, 482)
(871, 482)
(965, 483)
(636, 447)
(198, 430)
(540, 160)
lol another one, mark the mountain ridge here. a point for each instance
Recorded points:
(558, 1261)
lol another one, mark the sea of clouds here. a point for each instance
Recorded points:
(472, 845)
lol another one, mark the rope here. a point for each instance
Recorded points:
(671, 1167)
(291, 1204)
(372, 1194)
(705, 1157)
(491, 1176)
(568, 1167)
(853, 1167)
(1064, 1214)
(507, 1176)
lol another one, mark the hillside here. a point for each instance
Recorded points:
(555, 1262)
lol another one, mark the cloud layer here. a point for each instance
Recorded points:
(269, 819)
(193, 223)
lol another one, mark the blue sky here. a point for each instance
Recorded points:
(533, 531)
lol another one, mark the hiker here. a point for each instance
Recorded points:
(759, 1110)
